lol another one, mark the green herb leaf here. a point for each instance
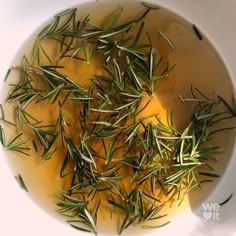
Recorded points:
(21, 182)
(164, 36)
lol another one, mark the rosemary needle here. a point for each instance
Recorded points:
(226, 200)
(21, 182)
(7, 74)
(172, 46)
(196, 31)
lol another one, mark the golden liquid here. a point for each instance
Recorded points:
(197, 65)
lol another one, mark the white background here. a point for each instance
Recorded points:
(18, 18)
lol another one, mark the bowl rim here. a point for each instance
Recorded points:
(225, 56)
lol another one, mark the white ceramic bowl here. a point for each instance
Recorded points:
(21, 216)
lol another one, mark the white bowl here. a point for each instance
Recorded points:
(19, 215)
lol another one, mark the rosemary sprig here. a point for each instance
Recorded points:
(14, 145)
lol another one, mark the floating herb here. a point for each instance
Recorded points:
(21, 182)
(226, 200)
(172, 46)
(14, 145)
(231, 108)
(196, 31)
(7, 74)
